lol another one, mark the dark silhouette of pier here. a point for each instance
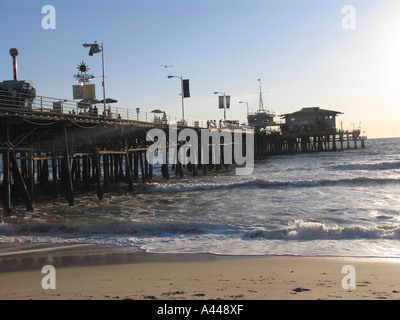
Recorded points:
(60, 148)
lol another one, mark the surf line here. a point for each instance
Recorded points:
(42, 249)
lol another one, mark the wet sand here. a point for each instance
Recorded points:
(108, 273)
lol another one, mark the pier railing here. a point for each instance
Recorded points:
(44, 104)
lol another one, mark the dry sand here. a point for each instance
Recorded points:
(140, 276)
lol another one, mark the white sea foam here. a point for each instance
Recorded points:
(302, 230)
(367, 166)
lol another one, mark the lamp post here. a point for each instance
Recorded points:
(182, 96)
(247, 106)
(96, 48)
(223, 94)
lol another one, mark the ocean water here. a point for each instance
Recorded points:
(344, 203)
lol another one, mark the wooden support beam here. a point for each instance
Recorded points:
(31, 176)
(116, 168)
(24, 170)
(96, 161)
(105, 170)
(55, 178)
(21, 182)
(341, 140)
(112, 169)
(146, 167)
(128, 167)
(6, 181)
(69, 189)
(178, 166)
(136, 166)
(143, 173)
(78, 168)
(44, 173)
(121, 169)
(85, 172)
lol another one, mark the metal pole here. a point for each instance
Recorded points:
(104, 81)
(260, 103)
(84, 86)
(224, 108)
(183, 108)
(15, 67)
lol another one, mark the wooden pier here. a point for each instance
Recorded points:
(52, 152)
(278, 144)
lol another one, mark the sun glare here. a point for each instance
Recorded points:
(389, 54)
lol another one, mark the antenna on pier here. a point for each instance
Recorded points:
(260, 104)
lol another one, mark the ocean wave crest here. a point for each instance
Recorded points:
(268, 184)
(366, 166)
(302, 230)
(132, 228)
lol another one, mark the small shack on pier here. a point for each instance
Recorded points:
(310, 120)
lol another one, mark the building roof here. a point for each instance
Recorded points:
(314, 110)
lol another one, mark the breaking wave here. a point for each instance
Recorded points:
(295, 230)
(301, 230)
(110, 229)
(367, 166)
(269, 184)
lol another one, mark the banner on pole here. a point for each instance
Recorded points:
(228, 101)
(221, 102)
(186, 90)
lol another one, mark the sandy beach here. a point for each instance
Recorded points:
(81, 273)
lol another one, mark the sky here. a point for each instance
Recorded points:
(306, 53)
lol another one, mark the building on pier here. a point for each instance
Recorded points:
(310, 120)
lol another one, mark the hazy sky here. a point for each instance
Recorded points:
(299, 48)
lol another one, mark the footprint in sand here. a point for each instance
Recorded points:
(198, 295)
(300, 290)
(172, 293)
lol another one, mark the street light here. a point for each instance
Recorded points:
(223, 94)
(182, 96)
(96, 48)
(247, 106)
